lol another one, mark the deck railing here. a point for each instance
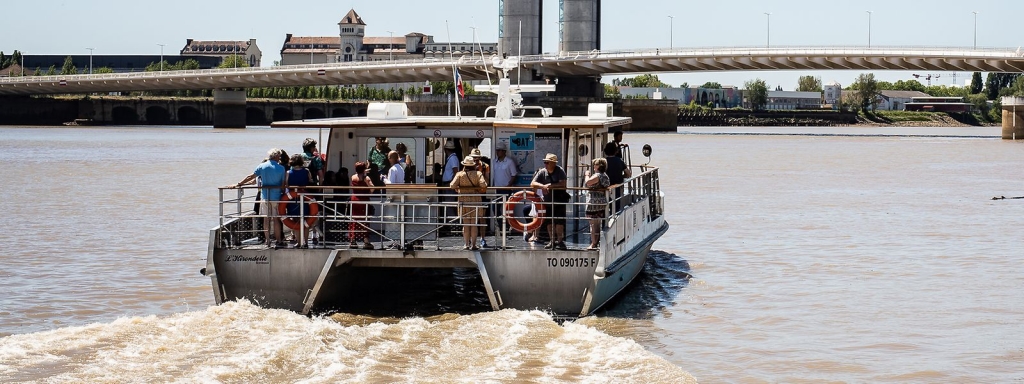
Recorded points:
(417, 216)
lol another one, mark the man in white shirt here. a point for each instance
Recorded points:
(396, 174)
(503, 168)
(451, 164)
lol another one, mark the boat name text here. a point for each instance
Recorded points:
(572, 262)
(258, 259)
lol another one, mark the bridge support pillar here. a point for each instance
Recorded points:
(1013, 118)
(228, 108)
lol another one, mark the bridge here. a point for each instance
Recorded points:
(576, 63)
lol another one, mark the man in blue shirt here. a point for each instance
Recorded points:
(270, 174)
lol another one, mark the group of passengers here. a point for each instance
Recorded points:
(281, 178)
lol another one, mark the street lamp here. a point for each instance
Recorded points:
(769, 43)
(391, 45)
(975, 29)
(472, 49)
(869, 28)
(90, 59)
(670, 34)
(161, 57)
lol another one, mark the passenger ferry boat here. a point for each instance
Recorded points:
(416, 225)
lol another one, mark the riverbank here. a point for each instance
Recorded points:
(985, 132)
(817, 118)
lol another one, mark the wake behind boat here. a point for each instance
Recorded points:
(419, 224)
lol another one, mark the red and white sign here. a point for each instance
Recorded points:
(479, 134)
(437, 133)
(321, 72)
(62, 82)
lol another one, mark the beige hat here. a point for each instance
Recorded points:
(550, 157)
(475, 153)
(449, 145)
(469, 161)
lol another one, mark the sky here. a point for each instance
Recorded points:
(138, 27)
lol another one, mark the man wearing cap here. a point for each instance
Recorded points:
(552, 180)
(503, 168)
(270, 174)
(312, 161)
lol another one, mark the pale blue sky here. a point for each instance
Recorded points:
(136, 27)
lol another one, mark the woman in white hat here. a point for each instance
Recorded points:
(469, 183)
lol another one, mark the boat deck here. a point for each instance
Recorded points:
(513, 241)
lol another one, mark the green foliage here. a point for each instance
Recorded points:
(4, 60)
(947, 91)
(611, 91)
(867, 91)
(1017, 88)
(37, 72)
(757, 93)
(69, 67)
(711, 85)
(52, 71)
(103, 70)
(995, 83)
(234, 61)
(641, 81)
(902, 116)
(976, 83)
(684, 85)
(809, 84)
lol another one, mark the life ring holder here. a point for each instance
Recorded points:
(510, 214)
(293, 222)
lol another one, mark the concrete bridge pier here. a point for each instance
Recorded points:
(228, 108)
(1013, 118)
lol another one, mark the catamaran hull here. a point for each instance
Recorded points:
(564, 283)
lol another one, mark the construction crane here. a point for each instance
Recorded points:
(928, 77)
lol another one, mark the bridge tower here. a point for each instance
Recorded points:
(528, 15)
(1013, 118)
(580, 30)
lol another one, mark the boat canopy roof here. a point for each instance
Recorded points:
(385, 115)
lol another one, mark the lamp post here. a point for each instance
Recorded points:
(161, 57)
(670, 34)
(391, 45)
(975, 29)
(769, 38)
(472, 49)
(90, 59)
(869, 28)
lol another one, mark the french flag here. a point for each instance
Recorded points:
(458, 84)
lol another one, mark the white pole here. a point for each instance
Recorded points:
(90, 60)
(161, 57)
(455, 69)
(391, 45)
(670, 34)
(975, 29)
(769, 41)
(869, 29)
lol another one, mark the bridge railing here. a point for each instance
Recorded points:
(781, 50)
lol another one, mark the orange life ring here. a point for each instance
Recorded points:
(293, 222)
(510, 211)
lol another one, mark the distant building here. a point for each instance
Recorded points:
(833, 93)
(725, 97)
(352, 44)
(896, 100)
(222, 49)
(788, 100)
(938, 104)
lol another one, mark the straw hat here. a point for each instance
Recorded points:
(469, 161)
(475, 153)
(449, 145)
(550, 158)
(501, 146)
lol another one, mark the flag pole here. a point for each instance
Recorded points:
(455, 71)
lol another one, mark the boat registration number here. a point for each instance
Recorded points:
(572, 262)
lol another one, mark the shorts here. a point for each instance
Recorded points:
(556, 211)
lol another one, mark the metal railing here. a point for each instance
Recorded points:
(417, 216)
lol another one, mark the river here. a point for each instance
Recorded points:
(816, 254)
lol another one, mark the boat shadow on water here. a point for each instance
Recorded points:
(425, 292)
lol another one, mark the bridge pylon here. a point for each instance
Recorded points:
(1013, 118)
(228, 108)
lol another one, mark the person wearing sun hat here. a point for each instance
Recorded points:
(469, 184)
(552, 180)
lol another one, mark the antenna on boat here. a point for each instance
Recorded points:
(455, 71)
(482, 58)
(519, 71)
